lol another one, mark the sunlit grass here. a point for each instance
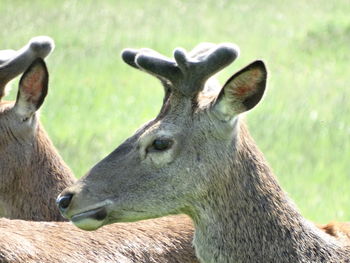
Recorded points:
(95, 101)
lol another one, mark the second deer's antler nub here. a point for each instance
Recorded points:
(13, 63)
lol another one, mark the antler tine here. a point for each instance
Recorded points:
(218, 58)
(14, 63)
(129, 55)
(196, 70)
(41, 46)
(158, 65)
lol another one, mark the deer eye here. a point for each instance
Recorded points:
(161, 144)
(24, 119)
(27, 118)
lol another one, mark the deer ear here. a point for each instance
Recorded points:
(242, 91)
(32, 88)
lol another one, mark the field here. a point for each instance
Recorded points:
(96, 101)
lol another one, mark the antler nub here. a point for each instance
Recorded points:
(41, 46)
(128, 55)
(13, 63)
(181, 59)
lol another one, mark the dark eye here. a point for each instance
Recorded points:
(161, 144)
(24, 119)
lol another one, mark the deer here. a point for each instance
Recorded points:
(196, 157)
(32, 173)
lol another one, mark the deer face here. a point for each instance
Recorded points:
(168, 165)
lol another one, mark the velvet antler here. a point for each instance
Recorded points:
(13, 63)
(189, 71)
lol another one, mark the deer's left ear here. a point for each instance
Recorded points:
(32, 88)
(242, 91)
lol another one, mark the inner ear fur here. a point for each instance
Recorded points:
(33, 86)
(243, 90)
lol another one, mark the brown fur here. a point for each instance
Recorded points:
(340, 230)
(32, 169)
(158, 241)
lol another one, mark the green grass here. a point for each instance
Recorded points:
(95, 101)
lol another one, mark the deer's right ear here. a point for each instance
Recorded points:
(242, 91)
(32, 88)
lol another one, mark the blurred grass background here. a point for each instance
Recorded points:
(95, 101)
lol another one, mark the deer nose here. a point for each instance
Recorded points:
(63, 202)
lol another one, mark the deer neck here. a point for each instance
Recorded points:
(249, 218)
(41, 177)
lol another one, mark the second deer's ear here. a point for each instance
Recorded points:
(32, 88)
(242, 91)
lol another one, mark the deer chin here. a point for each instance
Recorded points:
(90, 220)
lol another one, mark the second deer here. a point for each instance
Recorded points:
(197, 157)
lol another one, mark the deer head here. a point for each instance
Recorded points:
(174, 161)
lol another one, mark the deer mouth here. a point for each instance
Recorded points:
(91, 219)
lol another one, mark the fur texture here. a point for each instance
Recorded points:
(165, 240)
